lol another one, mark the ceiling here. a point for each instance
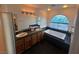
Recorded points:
(46, 6)
(36, 7)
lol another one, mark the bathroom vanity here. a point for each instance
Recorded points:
(27, 41)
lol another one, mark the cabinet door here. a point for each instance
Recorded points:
(28, 42)
(39, 36)
(34, 39)
(42, 34)
(20, 45)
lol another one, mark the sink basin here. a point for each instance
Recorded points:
(22, 34)
(38, 29)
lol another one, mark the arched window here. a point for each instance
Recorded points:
(59, 22)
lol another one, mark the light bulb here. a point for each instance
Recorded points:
(49, 9)
(65, 6)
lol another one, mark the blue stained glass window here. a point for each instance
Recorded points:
(59, 22)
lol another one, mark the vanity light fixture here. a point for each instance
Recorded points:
(29, 13)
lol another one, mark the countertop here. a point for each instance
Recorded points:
(29, 33)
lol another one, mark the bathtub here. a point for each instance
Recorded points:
(57, 34)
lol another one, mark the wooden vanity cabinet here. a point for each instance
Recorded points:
(20, 45)
(42, 35)
(34, 38)
(28, 42)
(39, 36)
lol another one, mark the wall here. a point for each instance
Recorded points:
(74, 46)
(69, 12)
(9, 39)
(8, 32)
(42, 19)
(2, 39)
